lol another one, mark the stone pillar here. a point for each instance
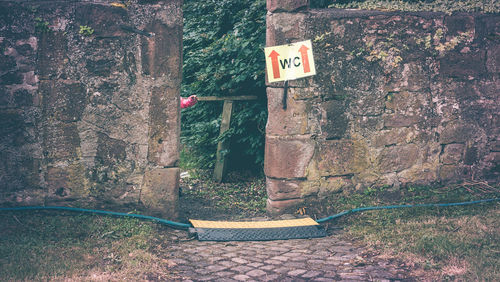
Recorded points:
(160, 192)
(162, 62)
(289, 148)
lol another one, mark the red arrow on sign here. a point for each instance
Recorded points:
(305, 59)
(274, 61)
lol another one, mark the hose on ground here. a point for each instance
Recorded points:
(172, 224)
(179, 225)
(403, 206)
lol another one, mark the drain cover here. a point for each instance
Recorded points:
(302, 228)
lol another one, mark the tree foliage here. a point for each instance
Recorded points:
(223, 56)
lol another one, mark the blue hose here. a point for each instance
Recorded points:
(186, 226)
(403, 206)
(160, 220)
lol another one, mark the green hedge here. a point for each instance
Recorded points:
(223, 56)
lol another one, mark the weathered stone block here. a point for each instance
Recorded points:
(284, 28)
(489, 88)
(308, 93)
(7, 63)
(331, 185)
(493, 59)
(293, 120)
(414, 77)
(459, 23)
(160, 192)
(101, 67)
(53, 46)
(286, 5)
(334, 122)
(463, 66)
(281, 207)
(367, 103)
(162, 53)
(110, 151)
(64, 100)
(495, 145)
(104, 20)
(12, 77)
(25, 48)
(287, 158)
(66, 182)
(5, 96)
(400, 120)
(404, 109)
(341, 157)
(23, 98)
(450, 173)
(280, 189)
(456, 132)
(492, 168)
(452, 154)
(424, 174)
(403, 101)
(164, 126)
(19, 171)
(398, 158)
(471, 155)
(60, 141)
(393, 136)
(366, 125)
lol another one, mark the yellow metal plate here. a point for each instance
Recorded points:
(253, 224)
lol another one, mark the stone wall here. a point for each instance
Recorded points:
(89, 103)
(399, 99)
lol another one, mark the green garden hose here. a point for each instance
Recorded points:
(179, 225)
(403, 206)
(173, 224)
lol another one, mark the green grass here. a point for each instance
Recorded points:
(54, 245)
(452, 243)
(445, 243)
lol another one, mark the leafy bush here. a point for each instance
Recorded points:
(223, 56)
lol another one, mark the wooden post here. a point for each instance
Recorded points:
(223, 146)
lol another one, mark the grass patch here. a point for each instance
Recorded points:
(452, 243)
(58, 245)
(445, 243)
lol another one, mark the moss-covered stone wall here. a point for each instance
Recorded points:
(400, 98)
(89, 95)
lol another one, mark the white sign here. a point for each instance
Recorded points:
(291, 61)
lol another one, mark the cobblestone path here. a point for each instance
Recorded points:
(322, 259)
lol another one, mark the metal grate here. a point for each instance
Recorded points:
(257, 231)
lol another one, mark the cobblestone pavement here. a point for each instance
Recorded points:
(322, 259)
